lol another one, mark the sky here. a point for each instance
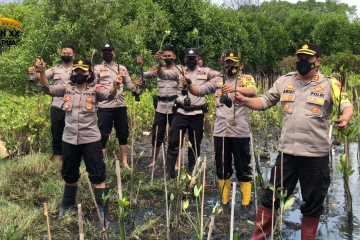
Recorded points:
(349, 2)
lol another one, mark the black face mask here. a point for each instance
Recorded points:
(191, 63)
(79, 79)
(66, 59)
(304, 66)
(108, 57)
(231, 71)
(168, 61)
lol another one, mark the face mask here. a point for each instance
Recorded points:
(231, 71)
(108, 57)
(168, 61)
(304, 66)
(79, 79)
(191, 63)
(66, 59)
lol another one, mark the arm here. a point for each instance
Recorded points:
(104, 93)
(200, 91)
(97, 75)
(127, 79)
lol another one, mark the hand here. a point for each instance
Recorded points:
(228, 88)
(31, 70)
(341, 123)
(138, 81)
(222, 57)
(239, 98)
(119, 78)
(158, 56)
(139, 60)
(40, 64)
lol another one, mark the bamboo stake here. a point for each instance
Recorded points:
(196, 153)
(118, 177)
(232, 211)
(358, 120)
(166, 194)
(81, 224)
(179, 160)
(132, 156)
(254, 169)
(210, 228)
(223, 173)
(46, 214)
(282, 167)
(153, 160)
(331, 157)
(97, 208)
(203, 197)
(213, 157)
(273, 206)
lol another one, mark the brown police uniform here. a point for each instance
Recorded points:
(305, 142)
(113, 112)
(237, 138)
(188, 118)
(163, 104)
(60, 75)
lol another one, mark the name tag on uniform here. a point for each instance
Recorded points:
(57, 77)
(104, 74)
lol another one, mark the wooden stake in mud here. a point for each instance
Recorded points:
(132, 156)
(330, 135)
(273, 206)
(282, 167)
(166, 195)
(154, 153)
(179, 160)
(254, 170)
(213, 157)
(196, 154)
(81, 224)
(46, 214)
(358, 121)
(96, 206)
(203, 197)
(232, 211)
(210, 228)
(118, 177)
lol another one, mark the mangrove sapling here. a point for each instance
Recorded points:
(105, 199)
(137, 193)
(122, 214)
(46, 214)
(81, 223)
(153, 160)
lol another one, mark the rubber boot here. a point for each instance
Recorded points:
(69, 199)
(245, 189)
(170, 166)
(262, 223)
(104, 209)
(308, 227)
(225, 191)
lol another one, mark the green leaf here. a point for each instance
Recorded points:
(171, 197)
(214, 209)
(186, 204)
(289, 202)
(235, 237)
(189, 143)
(351, 173)
(271, 187)
(252, 223)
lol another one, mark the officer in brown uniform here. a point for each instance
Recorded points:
(189, 109)
(164, 102)
(113, 112)
(234, 129)
(81, 138)
(60, 75)
(307, 98)
(200, 62)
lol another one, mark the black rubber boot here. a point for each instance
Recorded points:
(69, 199)
(104, 209)
(170, 166)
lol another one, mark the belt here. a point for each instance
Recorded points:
(171, 98)
(189, 109)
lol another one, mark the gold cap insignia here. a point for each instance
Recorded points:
(234, 70)
(305, 46)
(231, 54)
(80, 62)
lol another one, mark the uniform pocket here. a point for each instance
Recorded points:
(89, 104)
(314, 106)
(161, 83)
(68, 104)
(325, 180)
(287, 103)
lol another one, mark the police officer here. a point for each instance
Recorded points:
(200, 62)
(189, 109)
(234, 129)
(81, 138)
(307, 98)
(113, 112)
(164, 103)
(60, 75)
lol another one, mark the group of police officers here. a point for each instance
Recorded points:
(306, 97)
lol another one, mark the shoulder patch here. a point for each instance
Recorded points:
(289, 86)
(103, 68)
(213, 79)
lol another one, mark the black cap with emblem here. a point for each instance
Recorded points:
(308, 49)
(107, 47)
(192, 52)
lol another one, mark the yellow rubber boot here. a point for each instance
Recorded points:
(245, 189)
(226, 191)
